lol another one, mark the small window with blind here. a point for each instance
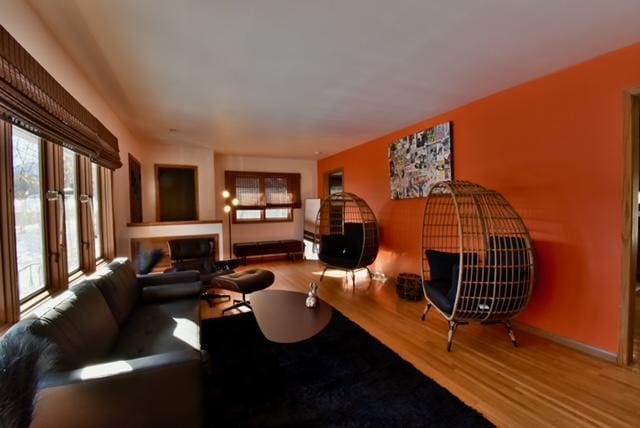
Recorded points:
(263, 196)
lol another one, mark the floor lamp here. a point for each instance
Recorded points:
(228, 208)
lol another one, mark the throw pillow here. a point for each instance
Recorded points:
(441, 263)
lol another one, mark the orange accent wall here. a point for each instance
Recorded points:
(553, 147)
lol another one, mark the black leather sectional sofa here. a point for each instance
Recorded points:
(120, 351)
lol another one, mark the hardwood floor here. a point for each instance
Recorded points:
(541, 383)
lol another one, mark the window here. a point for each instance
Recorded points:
(334, 182)
(28, 209)
(46, 191)
(96, 216)
(248, 215)
(71, 223)
(263, 197)
(277, 214)
(62, 205)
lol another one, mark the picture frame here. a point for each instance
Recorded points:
(420, 160)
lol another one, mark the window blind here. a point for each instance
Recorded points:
(260, 190)
(277, 191)
(32, 99)
(247, 190)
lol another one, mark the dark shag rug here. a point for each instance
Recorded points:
(341, 377)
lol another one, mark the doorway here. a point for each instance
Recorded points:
(629, 346)
(135, 190)
(334, 182)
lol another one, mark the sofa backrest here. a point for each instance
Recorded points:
(119, 286)
(82, 326)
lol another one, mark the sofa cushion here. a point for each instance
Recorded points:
(343, 250)
(437, 292)
(441, 264)
(334, 245)
(119, 286)
(82, 326)
(354, 233)
(159, 327)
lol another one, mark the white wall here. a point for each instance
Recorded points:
(25, 26)
(178, 155)
(261, 231)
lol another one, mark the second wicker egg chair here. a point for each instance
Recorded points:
(478, 261)
(346, 234)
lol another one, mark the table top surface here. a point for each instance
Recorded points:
(283, 317)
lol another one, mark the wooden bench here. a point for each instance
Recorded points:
(290, 247)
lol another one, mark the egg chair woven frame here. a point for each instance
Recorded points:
(478, 261)
(346, 234)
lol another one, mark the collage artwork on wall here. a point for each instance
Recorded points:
(420, 160)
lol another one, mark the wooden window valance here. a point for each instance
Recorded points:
(32, 99)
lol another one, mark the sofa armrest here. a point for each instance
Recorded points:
(158, 390)
(159, 293)
(169, 278)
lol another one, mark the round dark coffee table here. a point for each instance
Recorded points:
(283, 317)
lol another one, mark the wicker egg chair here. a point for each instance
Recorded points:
(478, 262)
(346, 234)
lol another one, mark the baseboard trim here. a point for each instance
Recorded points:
(611, 357)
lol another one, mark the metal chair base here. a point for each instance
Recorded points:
(209, 297)
(453, 326)
(237, 303)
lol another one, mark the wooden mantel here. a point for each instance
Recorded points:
(172, 223)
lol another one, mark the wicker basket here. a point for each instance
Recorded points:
(409, 286)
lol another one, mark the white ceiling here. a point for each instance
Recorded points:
(293, 77)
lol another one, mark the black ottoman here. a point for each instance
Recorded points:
(244, 282)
